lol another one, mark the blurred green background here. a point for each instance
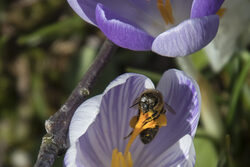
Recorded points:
(44, 51)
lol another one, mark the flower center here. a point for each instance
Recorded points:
(119, 160)
(166, 11)
(138, 124)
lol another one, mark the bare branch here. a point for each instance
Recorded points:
(54, 142)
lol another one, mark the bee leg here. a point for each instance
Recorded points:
(162, 120)
(133, 121)
(128, 135)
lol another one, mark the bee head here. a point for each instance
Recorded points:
(148, 102)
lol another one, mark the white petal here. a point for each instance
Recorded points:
(119, 80)
(232, 26)
(83, 117)
(181, 10)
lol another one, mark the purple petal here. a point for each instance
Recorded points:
(112, 123)
(182, 153)
(84, 9)
(188, 37)
(120, 31)
(73, 155)
(182, 93)
(201, 8)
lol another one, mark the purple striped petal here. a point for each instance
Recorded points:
(84, 9)
(112, 123)
(72, 157)
(121, 31)
(201, 8)
(182, 153)
(182, 93)
(83, 117)
(186, 38)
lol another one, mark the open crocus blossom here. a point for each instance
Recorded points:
(99, 125)
(168, 27)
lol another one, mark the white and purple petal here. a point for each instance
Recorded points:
(186, 38)
(182, 93)
(121, 31)
(84, 116)
(180, 154)
(84, 10)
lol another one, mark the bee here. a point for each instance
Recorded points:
(151, 100)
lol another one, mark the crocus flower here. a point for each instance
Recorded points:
(100, 124)
(167, 27)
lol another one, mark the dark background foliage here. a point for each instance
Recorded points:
(44, 51)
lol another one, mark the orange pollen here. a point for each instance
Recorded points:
(221, 12)
(140, 126)
(166, 11)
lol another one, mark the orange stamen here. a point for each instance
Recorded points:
(166, 11)
(119, 160)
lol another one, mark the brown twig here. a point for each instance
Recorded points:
(54, 142)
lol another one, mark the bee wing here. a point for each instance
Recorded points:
(169, 108)
(136, 102)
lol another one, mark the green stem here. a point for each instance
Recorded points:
(236, 91)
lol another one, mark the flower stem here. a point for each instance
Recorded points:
(238, 85)
(55, 142)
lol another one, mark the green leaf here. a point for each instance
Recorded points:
(54, 31)
(238, 85)
(206, 155)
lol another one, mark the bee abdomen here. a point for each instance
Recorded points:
(148, 134)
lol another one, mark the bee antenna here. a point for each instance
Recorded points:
(134, 105)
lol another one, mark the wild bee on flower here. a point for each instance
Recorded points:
(99, 125)
(151, 106)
